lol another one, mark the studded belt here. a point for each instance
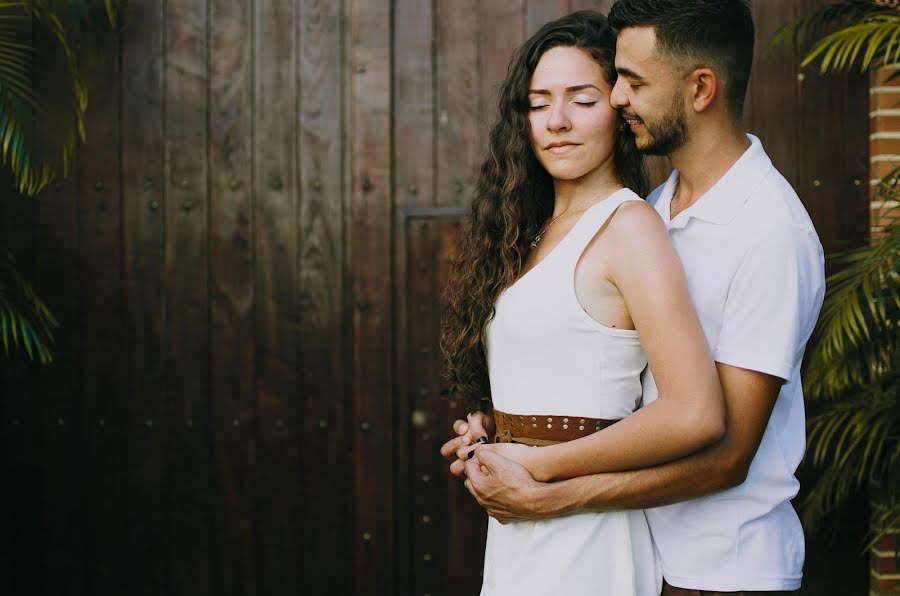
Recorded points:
(544, 430)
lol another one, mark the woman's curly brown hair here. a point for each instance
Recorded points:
(513, 198)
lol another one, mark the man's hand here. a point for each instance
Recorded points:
(504, 488)
(468, 431)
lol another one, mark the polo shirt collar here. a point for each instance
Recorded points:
(720, 204)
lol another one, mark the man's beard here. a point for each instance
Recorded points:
(668, 133)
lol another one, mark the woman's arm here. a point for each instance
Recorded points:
(689, 413)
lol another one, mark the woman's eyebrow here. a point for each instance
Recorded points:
(571, 89)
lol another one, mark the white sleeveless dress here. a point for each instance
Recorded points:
(547, 356)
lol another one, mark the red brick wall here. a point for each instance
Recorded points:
(884, 136)
(884, 145)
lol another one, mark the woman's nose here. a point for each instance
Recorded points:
(559, 118)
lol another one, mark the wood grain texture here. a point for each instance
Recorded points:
(326, 422)
(187, 425)
(501, 30)
(103, 421)
(414, 100)
(144, 198)
(369, 260)
(447, 535)
(458, 101)
(278, 539)
(540, 12)
(415, 144)
(26, 546)
(232, 347)
(56, 223)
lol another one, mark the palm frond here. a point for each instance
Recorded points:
(856, 339)
(25, 321)
(839, 50)
(42, 98)
(853, 441)
(818, 22)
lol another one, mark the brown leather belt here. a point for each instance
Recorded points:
(544, 430)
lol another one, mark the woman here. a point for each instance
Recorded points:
(565, 287)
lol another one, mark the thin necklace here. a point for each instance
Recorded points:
(606, 192)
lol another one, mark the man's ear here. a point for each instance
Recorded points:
(704, 85)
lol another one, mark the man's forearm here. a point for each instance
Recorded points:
(701, 474)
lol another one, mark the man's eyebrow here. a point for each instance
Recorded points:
(628, 73)
(571, 89)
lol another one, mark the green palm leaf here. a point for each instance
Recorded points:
(856, 339)
(839, 50)
(25, 321)
(866, 32)
(853, 442)
(42, 98)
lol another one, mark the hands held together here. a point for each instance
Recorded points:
(495, 473)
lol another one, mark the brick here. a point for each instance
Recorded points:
(884, 124)
(884, 147)
(881, 100)
(886, 564)
(880, 169)
(887, 586)
(879, 77)
(887, 542)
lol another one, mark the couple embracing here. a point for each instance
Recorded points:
(642, 358)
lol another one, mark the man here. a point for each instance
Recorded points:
(721, 518)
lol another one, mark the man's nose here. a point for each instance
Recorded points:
(618, 98)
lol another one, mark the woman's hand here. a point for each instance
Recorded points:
(477, 427)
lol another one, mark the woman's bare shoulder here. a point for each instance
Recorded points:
(636, 217)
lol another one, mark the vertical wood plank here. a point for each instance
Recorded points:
(414, 159)
(232, 347)
(540, 12)
(428, 554)
(187, 297)
(501, 29)
(458, 103)
(103, 420)
(26, 540)
(447, 525)
(774, 90)
(413, 117)
(143, 206)
(278, 539)
(60, 414)
(465, 558)
(59, 387)
(62, 473)
(326, 429)
(369, 264)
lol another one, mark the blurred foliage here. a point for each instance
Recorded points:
(43, 45)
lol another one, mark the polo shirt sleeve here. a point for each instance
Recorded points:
(773, 302)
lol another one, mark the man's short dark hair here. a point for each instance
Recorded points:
(713, 33)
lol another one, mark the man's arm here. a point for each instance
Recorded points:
(506, 493)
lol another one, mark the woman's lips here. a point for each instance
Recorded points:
(560, 148)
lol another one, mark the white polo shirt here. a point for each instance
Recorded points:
(755, 270)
